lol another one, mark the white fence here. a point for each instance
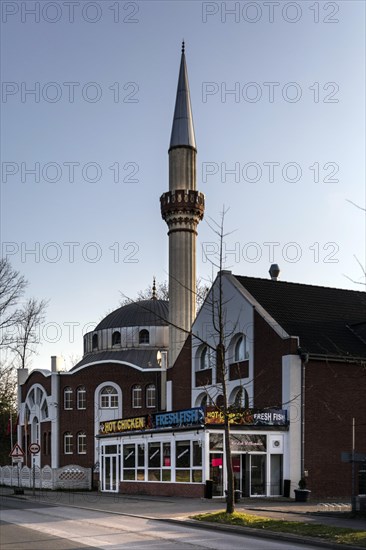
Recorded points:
(67, 477)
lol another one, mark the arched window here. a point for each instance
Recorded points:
(84, 344)
(116, 338)
(68, 398)
(241, 398)
(220, 401)
(240, 351)
(95, 341)
(81, 443)
(204, 363)
(108, 398)
(136, 396)
(150, 396)
(144, 336)
(68, 443)
(81, 397)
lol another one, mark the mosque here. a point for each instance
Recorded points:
(143, 409)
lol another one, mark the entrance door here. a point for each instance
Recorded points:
(240, 464)
(257, 475)
(110, 477)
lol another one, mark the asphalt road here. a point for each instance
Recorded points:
(35, 526)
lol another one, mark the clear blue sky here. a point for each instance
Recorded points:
(105, 76)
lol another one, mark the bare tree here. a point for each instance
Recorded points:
(12, 287)
(18, 339)
(217, 305)
(27, 336)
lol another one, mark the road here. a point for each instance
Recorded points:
(30, 525)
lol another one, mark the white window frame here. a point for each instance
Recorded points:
(81, 398)
(68, 398)
(109, 398)
(137, 396)
(150, 393)
(81, 443)
(68, 443)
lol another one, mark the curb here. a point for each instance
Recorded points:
(251, 531)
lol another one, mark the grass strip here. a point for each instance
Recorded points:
(340, 535)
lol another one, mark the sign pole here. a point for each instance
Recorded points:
(353, 464)
(34, 475)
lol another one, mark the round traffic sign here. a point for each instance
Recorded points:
(34, 448)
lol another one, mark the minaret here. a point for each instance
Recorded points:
(182, 208)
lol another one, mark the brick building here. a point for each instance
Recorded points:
(142, 408)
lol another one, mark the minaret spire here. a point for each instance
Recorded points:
(182, 208)
(183, 129)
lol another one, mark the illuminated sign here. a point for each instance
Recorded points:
(123, 425)
(248, 417)
(179, 419)
(173, 419)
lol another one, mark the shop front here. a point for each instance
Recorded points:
(175, 453)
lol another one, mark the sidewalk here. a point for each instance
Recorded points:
(179, 508)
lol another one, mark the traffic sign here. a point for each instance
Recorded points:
(17, 459)
(34, 448)
(17, 451)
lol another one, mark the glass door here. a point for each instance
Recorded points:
(257, 475)
(110, 478)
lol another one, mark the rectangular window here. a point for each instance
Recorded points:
(129, 462)
(81, 444)
(68, 444)
(216, 442)
(188, 462)
(114, 401)
(137, 397)
(81, 402)
(68, 399)
(183, 454)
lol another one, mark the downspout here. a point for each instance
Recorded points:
(304, 360)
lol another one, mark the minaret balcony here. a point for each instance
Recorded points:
(184, 202)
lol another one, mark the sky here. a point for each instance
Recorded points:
(88, 93)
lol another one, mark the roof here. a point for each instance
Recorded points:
(328, 321)
(143, 358)
(143, 313)
(182, 129)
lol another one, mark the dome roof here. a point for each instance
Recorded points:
(143, 313)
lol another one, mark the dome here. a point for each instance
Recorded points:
(143, 313)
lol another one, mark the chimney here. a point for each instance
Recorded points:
(274, 272)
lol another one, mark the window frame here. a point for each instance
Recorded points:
(68, 443)
(136, 396)
(81, 402)
(81, 443)
(150, 396)
(144, 337)
(68, 398)
(110, 397)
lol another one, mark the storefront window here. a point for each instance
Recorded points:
(216, 442)
(183, 450)
(154, 455)
(197, 453)
(129, 462)
(188, 457)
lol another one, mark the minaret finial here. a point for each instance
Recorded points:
(183, 46)
(154, 297)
